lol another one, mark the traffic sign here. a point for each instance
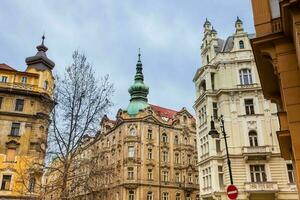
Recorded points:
(232, 192)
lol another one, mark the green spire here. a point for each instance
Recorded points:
(138, 91)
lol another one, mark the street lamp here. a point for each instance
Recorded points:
(215, 134)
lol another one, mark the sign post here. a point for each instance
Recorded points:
(232, 192)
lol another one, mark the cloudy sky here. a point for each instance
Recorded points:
(111, 31)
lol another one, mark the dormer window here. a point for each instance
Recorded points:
(46, 85)
(24, 79)
(4, 79)
(241, 44)
(132, 132)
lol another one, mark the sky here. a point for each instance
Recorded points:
(109, 32)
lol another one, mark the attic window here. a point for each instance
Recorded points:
(46, 85)
(241, 43)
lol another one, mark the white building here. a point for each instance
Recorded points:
(228, 84)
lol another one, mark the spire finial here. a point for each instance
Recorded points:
(139, 55)
(43, 38)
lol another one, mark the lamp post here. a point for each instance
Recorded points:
(215, 134)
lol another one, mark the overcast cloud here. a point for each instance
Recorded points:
(111, 31)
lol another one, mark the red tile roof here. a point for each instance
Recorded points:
(6, 67)
(164, 112)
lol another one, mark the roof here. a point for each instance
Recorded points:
(6, 67)
(164, 112)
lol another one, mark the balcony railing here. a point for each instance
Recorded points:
(276, 25)
(261, 187)
(256, 152)
(252, 85)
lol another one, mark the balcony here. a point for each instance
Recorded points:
(191, 187)
(129, 160)
(23, 87)
(130, 184)
(262, 187)
(276, 25)
(131, 138)
(256, 152)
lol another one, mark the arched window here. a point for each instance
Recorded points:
(202, 87)
(207, 59)
(164, 138)
(241, 43)
(131, 195)
(149, 196)
(165, 196)
(177, 196)
(186, 140)
(132, 132)
(31, 184)
(245, 76)
(253, 139)
(184, 119)
(197, 197)
(176, 141)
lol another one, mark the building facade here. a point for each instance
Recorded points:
(227, 84)
(148, 152)
(276, 51)
(25, 104)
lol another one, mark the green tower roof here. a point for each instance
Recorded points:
(138, 91)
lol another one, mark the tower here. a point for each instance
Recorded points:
(138, 91)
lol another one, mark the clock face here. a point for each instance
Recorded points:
(132, 132)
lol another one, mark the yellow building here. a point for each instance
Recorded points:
(26, 100)
(147, 153)
(277, 52)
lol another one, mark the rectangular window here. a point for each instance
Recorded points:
(165, 156)
(212, 77)
(149, 154)
(150, 174)
(1, 100)
(165, 176)
(258, 173)
(290, 170)
(177, 178)
(221, 177)
(218, 146)
(6, 180)
(10, 155)
(196, 179)
(130, 174)
(19, 105)
(4, 79)
(215, 110)
(130, 151)
(190, 179)
(24, 79)
(15, 129)
(176, 158)
(149, 134)
(249, 106)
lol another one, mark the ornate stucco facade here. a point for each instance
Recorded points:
(228, 84)
(147, 152)
(276, 51)
(25, 104)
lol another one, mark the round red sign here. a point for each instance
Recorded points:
(232, 192)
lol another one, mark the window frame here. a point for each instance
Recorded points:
(19, 105)
(249, 106)
(245, 75)
(15, 126)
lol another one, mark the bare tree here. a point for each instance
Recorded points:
(81, 100)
